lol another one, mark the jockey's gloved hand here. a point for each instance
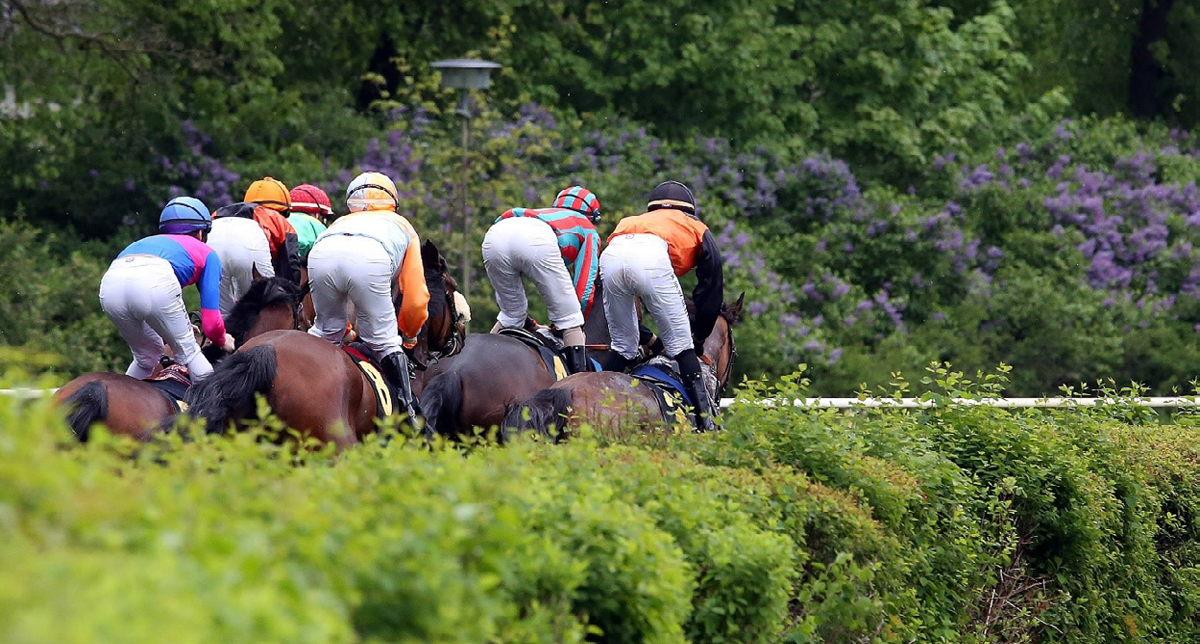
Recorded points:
(229, 344)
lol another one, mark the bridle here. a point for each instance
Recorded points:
(453, 344)
(727, 373)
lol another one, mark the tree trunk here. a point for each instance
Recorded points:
(1146, 72)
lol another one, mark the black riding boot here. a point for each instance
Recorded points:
(689, 367)
(577, 360)
(614, 362)
(395, 369)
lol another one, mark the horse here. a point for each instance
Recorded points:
(312, 385)
(493, 371)
(133, 407)
(609, 400)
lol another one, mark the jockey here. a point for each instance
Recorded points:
(311, 212)
(141, 291)
(360, 258)
(254, 239)
(645, 257)
(557, 248)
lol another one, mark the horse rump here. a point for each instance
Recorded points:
(88, 404)
(228, 393)
(546, 412)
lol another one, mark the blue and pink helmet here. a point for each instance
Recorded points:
(581, 200)
(183, 215)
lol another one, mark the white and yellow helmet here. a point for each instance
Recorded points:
(371, 191)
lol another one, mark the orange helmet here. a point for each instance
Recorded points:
(269, 192)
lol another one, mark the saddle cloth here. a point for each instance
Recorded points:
(548, 347)
(661, 375)
(368, 362)
(669, 393)
(172, 382)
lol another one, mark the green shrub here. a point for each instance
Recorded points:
(967, 524)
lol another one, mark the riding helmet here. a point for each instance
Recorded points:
(673, 195)
(311, 200)
(581, 200)
(184, 215)
(371, 191)
(269, 192)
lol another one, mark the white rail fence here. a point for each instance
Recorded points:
(1173, 402)
(1009, 403)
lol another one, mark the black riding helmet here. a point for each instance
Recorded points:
(674, 195)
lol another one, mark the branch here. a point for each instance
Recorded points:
(110, 44)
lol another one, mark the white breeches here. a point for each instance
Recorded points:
(639, 266)
(355, 269)
(527, 247)
(142, 297)
(242, 246)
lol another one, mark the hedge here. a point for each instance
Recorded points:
(792, 525)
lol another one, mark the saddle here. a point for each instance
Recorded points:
(173, 382)
(548, 347)
(367, 362)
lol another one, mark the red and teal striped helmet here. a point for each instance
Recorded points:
(581, 200)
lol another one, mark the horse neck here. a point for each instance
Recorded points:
(279, 316)
(723, 331)
(595, 327)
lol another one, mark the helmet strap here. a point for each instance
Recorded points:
(377, 187)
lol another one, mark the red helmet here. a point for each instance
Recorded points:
(311, 200)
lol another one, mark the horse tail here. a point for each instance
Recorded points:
(546, 412)
(88, 404)
(228, 392)
(441, 402)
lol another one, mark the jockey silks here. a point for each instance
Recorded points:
(281, 236)
(690, 245)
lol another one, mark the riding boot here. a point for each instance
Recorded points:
(577, 360)
(395, 369)
(614, 362)
(689, 367)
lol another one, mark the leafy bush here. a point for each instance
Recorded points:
(52, 306)
(966, 524)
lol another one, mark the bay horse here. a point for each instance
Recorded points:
(133, 407)
(311, 384)
(474, 388)
(612, 400)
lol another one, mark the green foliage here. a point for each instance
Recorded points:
(51, 305)
(966, 524)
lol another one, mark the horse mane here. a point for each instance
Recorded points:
(437, 281)
(261, 294)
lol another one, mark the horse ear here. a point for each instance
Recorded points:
(735, 309)
(430, 256)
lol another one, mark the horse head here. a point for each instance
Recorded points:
(443, 333)
(720, 347)
(270, 304)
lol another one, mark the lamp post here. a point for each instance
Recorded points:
(465, 74)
